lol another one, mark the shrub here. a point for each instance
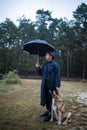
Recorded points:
(1, 75)
(12, 78)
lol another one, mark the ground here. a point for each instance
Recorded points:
(20, 109)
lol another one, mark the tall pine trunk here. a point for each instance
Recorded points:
(68, 66)
(84, 65)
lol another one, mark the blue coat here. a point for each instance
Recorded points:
(50, 73)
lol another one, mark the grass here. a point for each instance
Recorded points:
(5, 87)
(20, 109)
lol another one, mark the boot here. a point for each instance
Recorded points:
(45, 114)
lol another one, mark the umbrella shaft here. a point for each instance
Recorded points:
(38, 59)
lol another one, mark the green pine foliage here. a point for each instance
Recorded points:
(68, 37)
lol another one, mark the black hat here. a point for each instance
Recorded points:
(51, 53)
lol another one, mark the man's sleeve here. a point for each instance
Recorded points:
(39, 70)
(57, 74)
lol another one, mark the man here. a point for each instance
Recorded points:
(50, 81)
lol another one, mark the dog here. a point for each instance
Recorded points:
(59, 109)
(54, 109)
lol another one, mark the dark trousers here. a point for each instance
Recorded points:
(48, 99)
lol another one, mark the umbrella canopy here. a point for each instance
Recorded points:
(38, 47)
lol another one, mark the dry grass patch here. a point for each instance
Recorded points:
(20, 109)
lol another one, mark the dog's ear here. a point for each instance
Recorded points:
(51, 93)
(54, 92)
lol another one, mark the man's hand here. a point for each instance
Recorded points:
(37, 66)
(57, 90)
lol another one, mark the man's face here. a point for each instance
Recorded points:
(48, 57)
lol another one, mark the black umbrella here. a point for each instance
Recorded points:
(38, 47)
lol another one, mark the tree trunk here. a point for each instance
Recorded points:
(68, 74)
(84, 65)
(7, 62)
